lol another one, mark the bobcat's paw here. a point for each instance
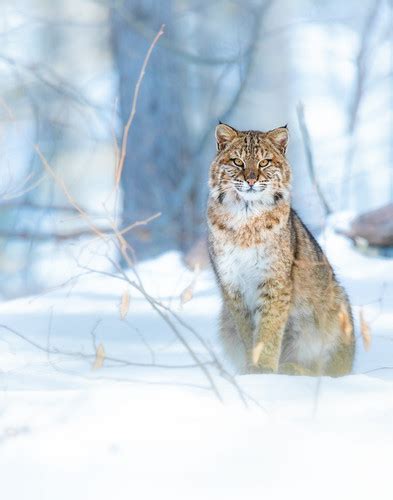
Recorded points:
(294, 369)
(263, 361)
(259, 369)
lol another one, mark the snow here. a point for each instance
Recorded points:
(121, 432)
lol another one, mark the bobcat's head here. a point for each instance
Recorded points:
(250, 165)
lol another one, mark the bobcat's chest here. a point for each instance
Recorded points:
(243, 270)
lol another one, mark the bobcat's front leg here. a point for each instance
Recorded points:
(242, 319)
(272, 316)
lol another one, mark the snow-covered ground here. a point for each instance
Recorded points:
(120, 431)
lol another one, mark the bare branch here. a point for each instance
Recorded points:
(361, 64)
(35, 206)
(310, 158)
(36, 236)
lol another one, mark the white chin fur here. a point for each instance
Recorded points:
(255, 196)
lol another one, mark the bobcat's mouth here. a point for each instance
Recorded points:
(251, 194)
(250, 189)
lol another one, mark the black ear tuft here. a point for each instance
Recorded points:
(285, 126)
(219, 122)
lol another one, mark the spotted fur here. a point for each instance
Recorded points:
(283, 309)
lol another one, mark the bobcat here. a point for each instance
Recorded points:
(283, 309)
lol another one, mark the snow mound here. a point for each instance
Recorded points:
(145, 423)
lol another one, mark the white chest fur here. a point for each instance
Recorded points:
(242, 270)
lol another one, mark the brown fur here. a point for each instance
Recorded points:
(283, 309)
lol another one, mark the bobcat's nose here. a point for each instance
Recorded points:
(251, 181)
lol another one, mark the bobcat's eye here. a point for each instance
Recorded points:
(264, 163)
(238, 162)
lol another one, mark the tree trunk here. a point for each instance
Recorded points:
(157, 152)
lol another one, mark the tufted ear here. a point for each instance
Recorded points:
(280, 137)
(224, 135)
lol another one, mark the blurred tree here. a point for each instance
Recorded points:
(156, 164)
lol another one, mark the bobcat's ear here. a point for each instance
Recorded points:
(224, 135)
(280, 137)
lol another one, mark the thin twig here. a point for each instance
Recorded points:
(120, 165)
(81, 355)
